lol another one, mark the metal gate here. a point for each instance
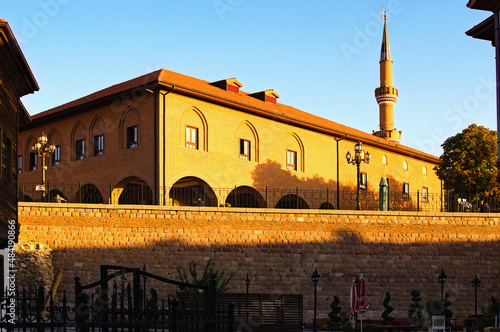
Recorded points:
(113, 309)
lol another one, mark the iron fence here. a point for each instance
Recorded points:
(125, 309)
(249, 197)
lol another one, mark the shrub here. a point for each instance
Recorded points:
(388, 308)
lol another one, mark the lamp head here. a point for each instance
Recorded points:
(315, 276)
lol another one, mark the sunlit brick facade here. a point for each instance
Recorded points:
(164, 132)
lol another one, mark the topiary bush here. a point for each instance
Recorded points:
(388, 308)
(334, 315)
(435, 308)
(446, 302)
(415, 313)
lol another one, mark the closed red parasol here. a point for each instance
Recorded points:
(362, 306)
(354, 301)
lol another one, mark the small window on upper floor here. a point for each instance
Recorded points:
(384, 160)
(98, 145)
(363, 180)
(425, 194)
(33, 161)
(424, 170)
(56, 156)
(291, 160)
(406, 190)
(245, 149)
(192, 137)
(19, 164)
(405, 165)
(80, 149)
(132, 137)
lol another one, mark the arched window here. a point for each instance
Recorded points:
(405, 165)
(295, 159)
(384, 160)
(130, 130)
(195, 129)
(247, 142)
(424, 170)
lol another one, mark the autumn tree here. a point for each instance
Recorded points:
(468, 161)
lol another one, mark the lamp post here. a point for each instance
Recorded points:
(442, 280)
(43, 148)
(359, 156)
(475, 283)
(315, 279)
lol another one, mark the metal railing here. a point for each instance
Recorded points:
(248, 197)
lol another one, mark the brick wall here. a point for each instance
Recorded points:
(279, 249)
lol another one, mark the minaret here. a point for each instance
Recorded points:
(386, 94)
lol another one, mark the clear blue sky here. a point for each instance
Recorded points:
(320, 56)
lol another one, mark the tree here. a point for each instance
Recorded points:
(468, 161)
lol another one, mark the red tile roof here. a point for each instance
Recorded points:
(242, 99)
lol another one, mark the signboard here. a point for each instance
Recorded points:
(40, 187)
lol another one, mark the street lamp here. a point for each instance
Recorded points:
(315, 279)
(475, 283)
(442, 280)
(43, 148)
(359, 156)
(247, 281)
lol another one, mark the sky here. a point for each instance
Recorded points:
(321, 57)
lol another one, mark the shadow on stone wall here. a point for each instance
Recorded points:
(287, 268)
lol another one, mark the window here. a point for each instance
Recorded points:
(406, 190)
(132, 137)
(33, 161)
(363, 180)
(192, 137)
(384, 160)
(424, 170)
(80, 149)
(98, 145)
(291, 160)
(19, 164)
(244, 149)
(56, 156)
(425, 194)
(405, 165)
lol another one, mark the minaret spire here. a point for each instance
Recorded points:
(385, 52)
(386, 94)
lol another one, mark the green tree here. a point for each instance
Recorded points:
(468, 161)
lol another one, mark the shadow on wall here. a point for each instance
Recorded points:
(271, 175)
(286, 268)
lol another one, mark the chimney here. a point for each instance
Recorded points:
(268, 95)
(230, 84)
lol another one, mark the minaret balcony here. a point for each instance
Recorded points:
(386, 90)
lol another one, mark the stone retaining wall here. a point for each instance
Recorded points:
(279, 249)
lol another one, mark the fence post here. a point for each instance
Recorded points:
(40, 300)
(267, 204)
(418, 201)
(174, 313)
(212, 302)
(230, 317)
(327, 199)
(82, 311)
(136, 279)
(297, 198)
